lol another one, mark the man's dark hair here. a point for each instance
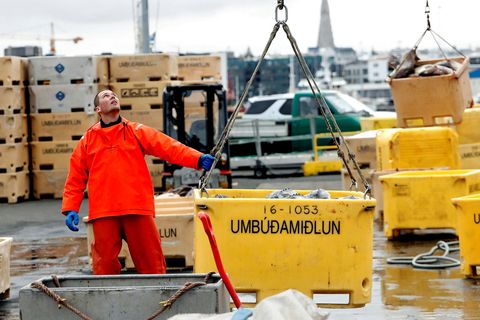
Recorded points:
(96, 100)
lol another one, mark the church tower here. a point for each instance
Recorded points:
(325, 35)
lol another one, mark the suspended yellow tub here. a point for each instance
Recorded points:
(322, 247)
(468, 230)
(422, 199)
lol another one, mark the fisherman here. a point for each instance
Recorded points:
(110, 157)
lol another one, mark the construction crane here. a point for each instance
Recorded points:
(53, 49)
(52, 39)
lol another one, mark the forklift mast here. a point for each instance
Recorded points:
(195, 115)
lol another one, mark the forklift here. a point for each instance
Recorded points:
(195, 115)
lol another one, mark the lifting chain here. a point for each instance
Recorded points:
(434, 36)
(324, 109)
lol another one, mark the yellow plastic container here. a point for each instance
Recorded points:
(468, 230)
(468, 129)
(312, 168)
(374, 123)
(428, 101)
(417, 148)
(319, 247)
(422, 199)
(325, 158)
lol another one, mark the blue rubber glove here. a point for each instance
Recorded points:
(242, 314)
(206, 161)
(72, 220)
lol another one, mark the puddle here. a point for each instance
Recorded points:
(398, 292)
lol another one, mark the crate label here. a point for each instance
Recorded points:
(270, 226)
(470, 155)
(60, 95)
(59, 68)
(366, 148)
(401, 190)
(52, 123)
(139, 93)
(168, 233)
(201, 64)
(59, 148)
(133, 64)
(476, 218)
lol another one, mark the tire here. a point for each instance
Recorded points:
(260, 172)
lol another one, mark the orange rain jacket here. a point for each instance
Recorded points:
(112, 161)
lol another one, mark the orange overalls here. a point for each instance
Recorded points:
(120, 192)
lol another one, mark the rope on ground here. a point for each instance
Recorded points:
(428, 260)
(167, 304)
(59, 300)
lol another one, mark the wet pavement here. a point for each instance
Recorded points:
(43, 246)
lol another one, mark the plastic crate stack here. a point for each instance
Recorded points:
(418, 166)
(61, 110)
(14, 179)
(447, 198)
(139, 81)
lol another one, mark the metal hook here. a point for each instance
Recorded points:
(280, 7)
(427, 12)
(368, 190)
(280, 4)
(202, 191)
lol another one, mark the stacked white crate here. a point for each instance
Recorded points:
(139, 81)
(61, 110)
(14, 183)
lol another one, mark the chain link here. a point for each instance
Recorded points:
(427, 12)
(279, 8)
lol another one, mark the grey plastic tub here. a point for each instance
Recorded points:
(123, 297)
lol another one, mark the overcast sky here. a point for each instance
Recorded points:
(234, 25)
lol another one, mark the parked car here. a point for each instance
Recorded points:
(289, 114)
